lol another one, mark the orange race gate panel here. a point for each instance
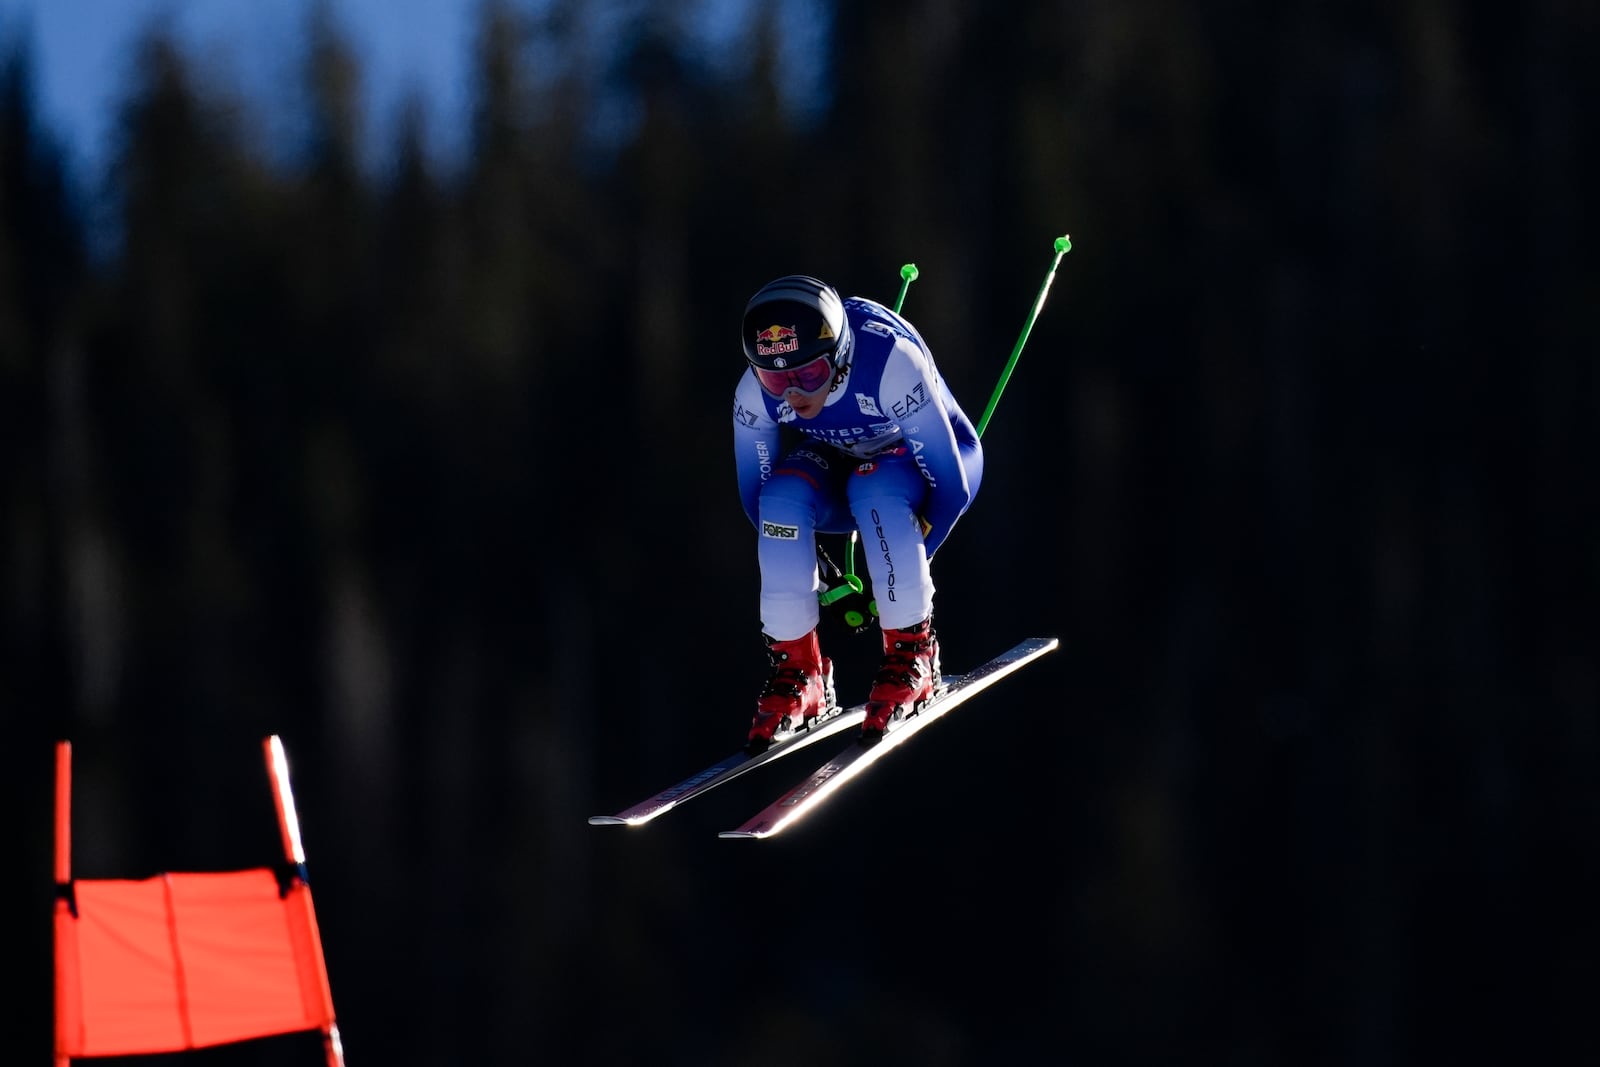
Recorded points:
(185, 961)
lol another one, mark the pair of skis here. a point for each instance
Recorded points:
(827, 779)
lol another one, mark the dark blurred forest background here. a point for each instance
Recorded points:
(425, 468)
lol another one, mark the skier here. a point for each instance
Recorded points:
(843, 423)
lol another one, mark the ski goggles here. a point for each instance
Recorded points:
(808, 377)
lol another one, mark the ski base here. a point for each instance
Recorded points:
(832, 775)
(827, 725)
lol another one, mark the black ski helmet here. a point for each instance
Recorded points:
(792, 321)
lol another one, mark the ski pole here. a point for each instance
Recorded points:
(852, 586)
(1063, 246)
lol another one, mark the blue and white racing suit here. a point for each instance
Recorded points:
(891, 454)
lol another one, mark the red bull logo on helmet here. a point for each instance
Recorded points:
(776, 340)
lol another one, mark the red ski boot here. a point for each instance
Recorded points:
(801, 688)
(905, 681)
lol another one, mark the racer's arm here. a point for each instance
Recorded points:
(755, 442)
(930, 422)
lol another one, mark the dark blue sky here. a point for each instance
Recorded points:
(81, 50)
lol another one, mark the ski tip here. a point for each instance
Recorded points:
(741, 835)
(607, 820)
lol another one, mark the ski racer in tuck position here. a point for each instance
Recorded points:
(842, 422)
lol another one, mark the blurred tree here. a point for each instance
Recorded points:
(43, 271)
